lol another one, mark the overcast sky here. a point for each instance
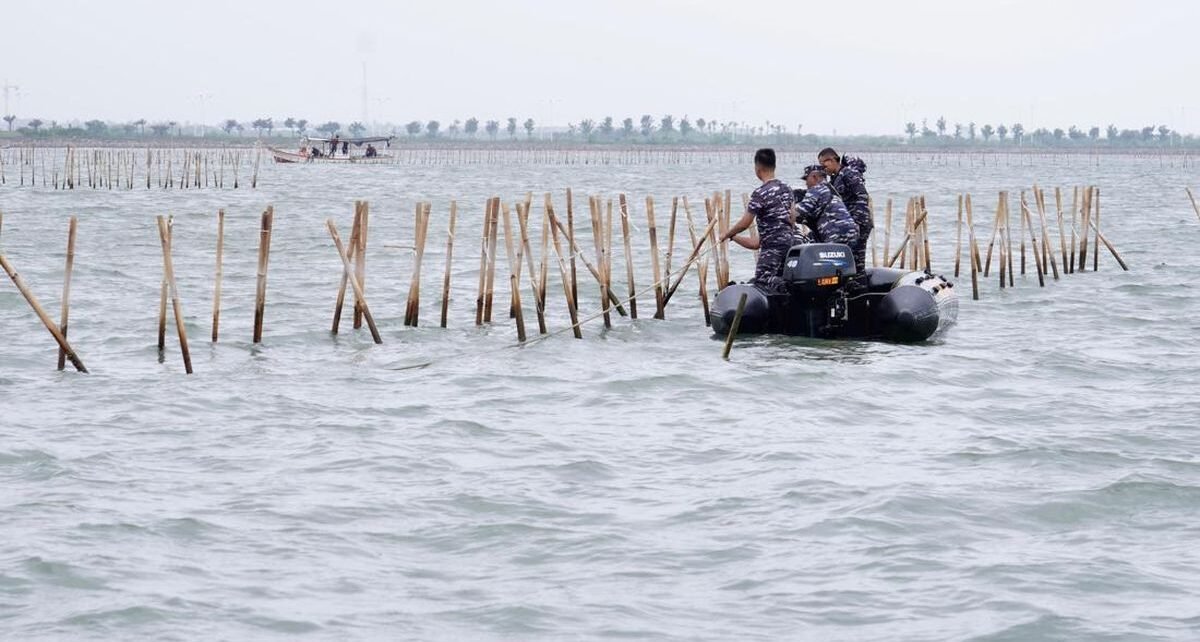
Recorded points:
(858, 66)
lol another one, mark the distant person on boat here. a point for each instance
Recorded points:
(333, 145)
(303, 152)
(371, 151)
(314, 153)
(822, 211)
(770, 206)
(846, 178)
(346, 147)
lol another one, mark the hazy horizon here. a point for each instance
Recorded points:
(860, 68)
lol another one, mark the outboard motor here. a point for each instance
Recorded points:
(816, 275)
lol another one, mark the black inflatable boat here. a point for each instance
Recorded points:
(824, 298)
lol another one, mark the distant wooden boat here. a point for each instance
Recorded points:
(357, 148)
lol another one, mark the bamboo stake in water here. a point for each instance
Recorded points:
(570, 233)
(483, 251)
(264, 257)
(658, 289)
(973, 251)
(887, 233)
(702, 269)
(671, 234)
(1086, 219)
(1193, 200)
(360, 259)
(164, 235)
(1062, 232)
(1047, 253)
(733, 328)
(420, 229)
(41, 313)
(1096, 227)
(493, 240)
(598, 241)
(958, 239)
(162, 305)
(514, 284)
(1111, 249)
(341, 295)
(66, 295)
(1027, 222)
(566, 277)
(347, 272)
(534, 276)
(628, 256)
(449, 260)
(217, 280)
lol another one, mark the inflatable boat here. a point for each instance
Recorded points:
(824, 297)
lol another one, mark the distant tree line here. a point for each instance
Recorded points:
(1148, 136)
(647, 129)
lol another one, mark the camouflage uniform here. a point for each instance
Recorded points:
(852, 188)
(825, 214)
(771, 205)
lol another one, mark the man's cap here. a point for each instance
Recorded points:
(811, 169)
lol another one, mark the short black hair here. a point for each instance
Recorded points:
(765, 158)
(828, 151)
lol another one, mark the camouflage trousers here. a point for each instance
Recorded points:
(770, 261)
(863, 220)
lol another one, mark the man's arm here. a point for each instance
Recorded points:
(739, 227)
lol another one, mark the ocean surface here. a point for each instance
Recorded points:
(1030, 474)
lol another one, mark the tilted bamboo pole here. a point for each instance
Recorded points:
(66, 294)
(41, 313)
(348, 270)
(164, 235)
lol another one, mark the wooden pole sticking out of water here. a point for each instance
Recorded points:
(1027, 222)
(449, 260)
(347, 271)
(702, 269)
(904, 244)
(1074, 228)
(671, 235)
(1096, 227)
(493, 240)
(733, 328)
(164, 235)
(412, 312)
(483, 251)
(162, 305)
(1008, 237)
(264, 257)
(41, 313)
(514, 283)
(216, 323)
(628, 256)
(887, 232)
(708, 231)
(359, 251)
(654, 266)
(523, 211)
(1062, 232)
(574, 248)
(66, 295)
(1193, 200)
(958, 239)
(341, 296)
(1047, 254)
(1111, 249)
(925, 233)
(570, 234)
(972, 251)
(1021, 218)
(1086, 219)
(594, 208)
(565, 274)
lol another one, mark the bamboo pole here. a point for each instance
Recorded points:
(1075, 205)
(887, 233)
(574, 248)
(1021, 218)
(41, 313)
(341, 295)
(654, 266)
(360, 257)
(671, 234)
(733, 328)
(420, 231)
(216, 322)
(1096, 227)
(708, 232)
(702, 269)
(1008, 237)
(1111, 249)
(996, 224)
(973, 251)
(66, 294)
(598, 241)
(483, 251)
(1027, 223)
(514, 284)
(925, 234)
(534, 277)
(570, 233)
(628, 256)
(264, 257)
(565, 274)
(1085, 218)
(493, 240)
(904, 244)
(164, 235)
(1047, 253)
(162, 304)
(606, 269)
(347, 271)
(449, 260)
(1062, 232)
(1193, 200)
(958, 239)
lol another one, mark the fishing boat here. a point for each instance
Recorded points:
(824, 298)
(329, 150)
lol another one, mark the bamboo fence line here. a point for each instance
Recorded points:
(521, 223)
(71, 168)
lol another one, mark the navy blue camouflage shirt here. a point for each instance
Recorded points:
(771, 205)
(852, 188)
(824, 213)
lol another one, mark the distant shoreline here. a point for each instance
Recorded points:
(404, 144)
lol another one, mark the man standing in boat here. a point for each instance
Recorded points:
(848, 182)
(822, 211)
(770, 205)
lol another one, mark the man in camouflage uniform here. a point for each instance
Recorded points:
(822, 211)
(846, 178)
(771, 206)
